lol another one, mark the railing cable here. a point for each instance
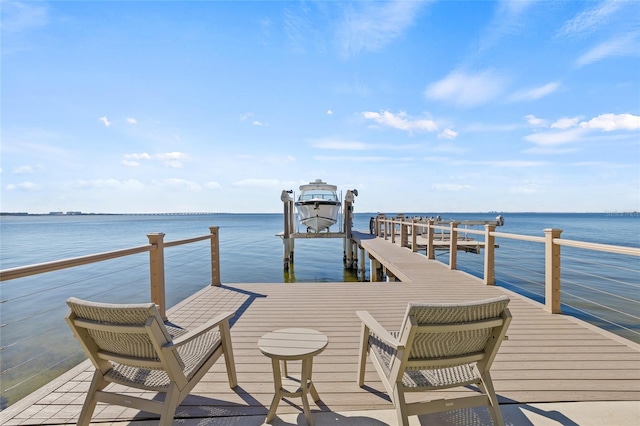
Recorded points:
(597, 290)
(71, 283)
(593, 315)
(601, 305)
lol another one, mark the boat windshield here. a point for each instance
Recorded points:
(318, 194)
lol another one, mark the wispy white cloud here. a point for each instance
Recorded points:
(298, 26)
(353, 158)
(400, 121)
(23, 186)
(534, 93)
(565, 123)
(571, 130)
(556, 137)
(212, 185)
(591, 19)
(371, 26)
(177, 184)
(119, 184)
(535, 121)
(248, 116)
(27, 169)
(142, 156)
(625, 45)
(449, 148)
(466, 89)
(551, 149)
(19, 16)
(170, 159)
(448, 134)
(506, 164)
(266, 26)
(132, 120)
(449, 187)
(488, 127)
(516, 164)
(338, 144)
(173, 159)
(508, 20)
(104, 120)
(610, 122)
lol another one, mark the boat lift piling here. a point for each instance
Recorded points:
(349, 252)
(287, 240)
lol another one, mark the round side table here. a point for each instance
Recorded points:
(293, 344)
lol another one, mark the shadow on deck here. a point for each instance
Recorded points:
(547, 359)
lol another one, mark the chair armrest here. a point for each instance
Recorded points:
(375, 328)
(212, 323)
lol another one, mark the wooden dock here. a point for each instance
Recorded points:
(547, 358)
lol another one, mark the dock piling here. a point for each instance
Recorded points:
(288, 245)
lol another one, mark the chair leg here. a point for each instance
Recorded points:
(228, 354)
(89, 406)
(494, 408)
(171, 402)
(401, 405)
(362, 361)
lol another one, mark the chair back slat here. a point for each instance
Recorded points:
(452, 330)
(123, 330)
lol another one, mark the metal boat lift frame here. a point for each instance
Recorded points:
(289, 235)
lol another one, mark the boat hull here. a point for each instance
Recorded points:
(317, 215)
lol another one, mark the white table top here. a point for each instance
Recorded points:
(292, 343)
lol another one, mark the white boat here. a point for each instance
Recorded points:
(318, 206)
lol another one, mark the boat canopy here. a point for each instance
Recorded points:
(318, 190)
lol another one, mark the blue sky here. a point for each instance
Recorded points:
(435, 106)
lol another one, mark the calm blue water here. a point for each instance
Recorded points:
(37, 345)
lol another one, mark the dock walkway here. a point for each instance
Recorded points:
(547, 358)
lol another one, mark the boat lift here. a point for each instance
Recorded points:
(289, 234)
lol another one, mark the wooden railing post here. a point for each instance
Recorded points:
(393, 231)
(414, 235)
(404, 234)
(215, 256)
(156, 264)
(552, 271)
(489, 255)
(453, 245)
(431, 253)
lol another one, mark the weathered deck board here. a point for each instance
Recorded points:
(548, 358)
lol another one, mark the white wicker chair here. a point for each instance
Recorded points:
(439, 346)
(130, 345)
